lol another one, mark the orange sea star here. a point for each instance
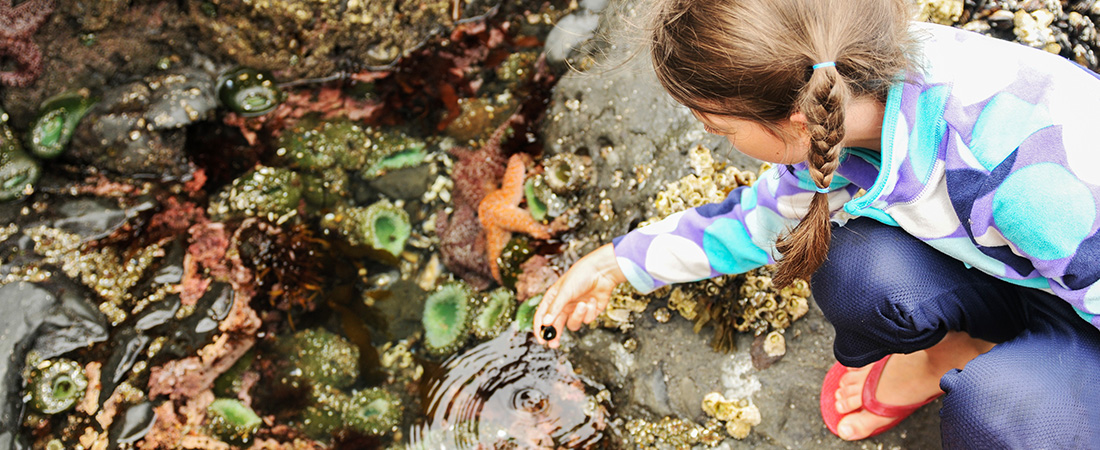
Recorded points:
(500, 214)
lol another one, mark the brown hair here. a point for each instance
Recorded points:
(753, 59)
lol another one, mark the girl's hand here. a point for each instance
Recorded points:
(580, 295)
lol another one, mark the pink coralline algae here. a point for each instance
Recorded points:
(17, 25)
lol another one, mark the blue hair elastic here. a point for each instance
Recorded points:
(824, 64)
(823, 190)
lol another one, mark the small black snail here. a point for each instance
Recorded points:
(548, 332)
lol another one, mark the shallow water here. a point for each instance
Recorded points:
(511, 391)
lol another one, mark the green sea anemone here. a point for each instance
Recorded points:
(18, 171)
(373, 411)
(525, 314)
(382, 226)
(494, 313)
(56, 385)
(322, 357)
(403, 154)
(53, 129)
(230, 382)
(325, 189)
(232, 421)
(314, 144)
(541, 201)
(18, 174)
(249, 92)
(446, 319)
(270, 192)
(325, 414)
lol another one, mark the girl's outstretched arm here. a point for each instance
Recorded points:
(579, 295)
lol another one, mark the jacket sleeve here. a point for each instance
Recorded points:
(734, 236)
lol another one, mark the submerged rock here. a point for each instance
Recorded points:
(138, 128)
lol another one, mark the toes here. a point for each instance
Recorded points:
(849, 398)
(860, 425)
(849, 393)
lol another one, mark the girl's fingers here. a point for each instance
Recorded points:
(577, 318)
(592, 313)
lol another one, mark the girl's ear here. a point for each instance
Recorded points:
(799, 118)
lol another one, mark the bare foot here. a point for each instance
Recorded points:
(917, 385)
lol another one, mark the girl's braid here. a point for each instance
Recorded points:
(822, 101)
(823, 105)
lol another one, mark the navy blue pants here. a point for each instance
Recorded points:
(886, 292)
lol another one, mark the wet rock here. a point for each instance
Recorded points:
(137, 421)
(301, 38)
(51, 319)
(408, 183)
(622, 119)
(139, 128)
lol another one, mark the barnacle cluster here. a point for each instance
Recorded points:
(739, 415)
(943, 12)
(624, 301)
(446, 319)
(673, 432)
(104, 270)
(756, 306)
(1066, 28)
(710, 182)
(1033, 29)
(397, 361)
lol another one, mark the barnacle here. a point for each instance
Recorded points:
(494, 313)
(711, 182)
(446, 319)
(566, 172)
(56, 385)
(740, 415)
(249, 92)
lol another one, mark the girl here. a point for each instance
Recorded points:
(969, 266)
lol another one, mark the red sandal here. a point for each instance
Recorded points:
(870, 403)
